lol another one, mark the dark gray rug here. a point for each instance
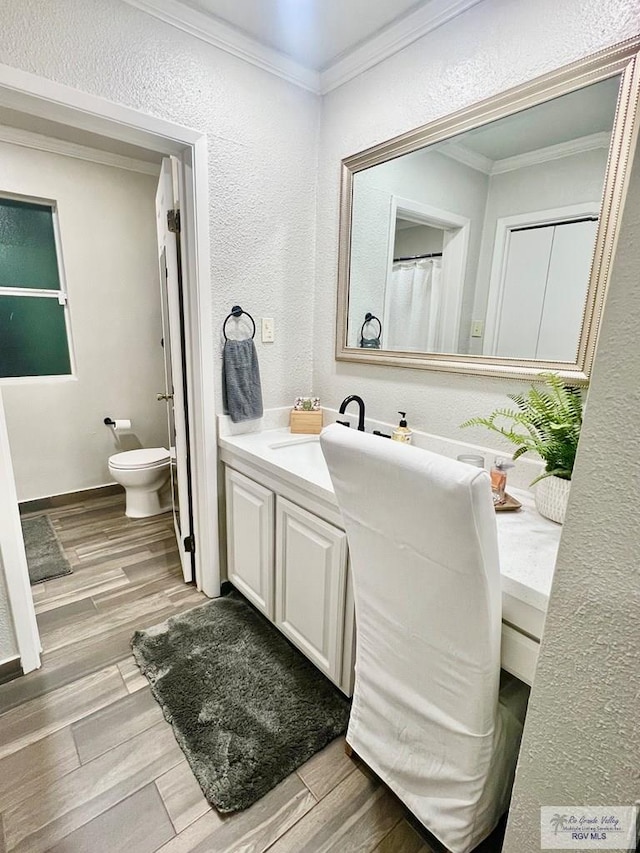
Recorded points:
(246, 707)
(44, 555)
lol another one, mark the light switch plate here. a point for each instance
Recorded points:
(268, 330)
(477, 328)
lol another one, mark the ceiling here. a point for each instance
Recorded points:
(589, 110)
(313, 32)
(579, 114)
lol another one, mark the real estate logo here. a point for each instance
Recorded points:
(588, 828)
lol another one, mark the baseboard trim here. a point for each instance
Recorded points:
(10, 669)
(54, 501)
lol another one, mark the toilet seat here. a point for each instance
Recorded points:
(137, 460)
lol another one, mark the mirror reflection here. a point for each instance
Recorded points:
(482, 244)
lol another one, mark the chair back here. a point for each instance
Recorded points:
(424, 561)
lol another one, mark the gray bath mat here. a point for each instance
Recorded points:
(44, 556)
(246, 707)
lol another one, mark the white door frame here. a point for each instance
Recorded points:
(47, 99)
(14, 560)
(504, 226)
(454, 258)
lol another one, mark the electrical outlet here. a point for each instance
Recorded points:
(477, 328)
(268, 330)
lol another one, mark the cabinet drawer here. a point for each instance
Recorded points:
(519, 654)
(311, 577)
(250, 517)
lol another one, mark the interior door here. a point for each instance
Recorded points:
(544, 290)
(566, 294)
(173, 328)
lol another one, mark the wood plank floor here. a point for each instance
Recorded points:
(89, 765)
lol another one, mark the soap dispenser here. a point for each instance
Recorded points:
(402, 431)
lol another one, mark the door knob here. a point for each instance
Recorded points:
(160, 397)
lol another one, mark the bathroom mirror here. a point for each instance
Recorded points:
(481, 243)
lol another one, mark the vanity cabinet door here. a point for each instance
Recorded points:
(311, 577)
(250, 539)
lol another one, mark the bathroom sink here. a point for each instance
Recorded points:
(300, 452)
(296, 457)
(302, 456)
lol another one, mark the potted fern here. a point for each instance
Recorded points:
(547, 421)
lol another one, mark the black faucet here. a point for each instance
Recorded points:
(360, 402)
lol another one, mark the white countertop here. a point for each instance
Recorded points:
(528, 542)
(528, 545)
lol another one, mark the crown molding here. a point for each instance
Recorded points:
(39, 142)
(391, 40)
(458, 151)
(225, 37)
(372, 51)
(552, 152)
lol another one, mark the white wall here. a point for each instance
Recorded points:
(108, 234)
(493, 46)
(418, 240)
(581, 742)
(262, 138)
(369, 257)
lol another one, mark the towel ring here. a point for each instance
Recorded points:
(236, 312)
(370, 343)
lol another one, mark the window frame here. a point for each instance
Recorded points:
(62, 294)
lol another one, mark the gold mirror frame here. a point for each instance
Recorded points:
(620, 59)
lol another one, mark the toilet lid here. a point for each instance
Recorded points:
(146, 457)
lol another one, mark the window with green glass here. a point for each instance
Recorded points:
(34, 324)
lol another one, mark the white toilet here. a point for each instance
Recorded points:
(143, 473)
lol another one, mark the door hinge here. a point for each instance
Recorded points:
(189, 544)
(173, 221)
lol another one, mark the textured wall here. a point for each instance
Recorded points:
(109, 249)
(493, 46)
(262, 136)
(581, 742)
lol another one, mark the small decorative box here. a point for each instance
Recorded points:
(309, 421)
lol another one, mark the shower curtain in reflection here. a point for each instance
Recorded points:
(413, 306)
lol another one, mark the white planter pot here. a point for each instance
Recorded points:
(551, 497)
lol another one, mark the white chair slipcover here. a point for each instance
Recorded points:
(426, 715)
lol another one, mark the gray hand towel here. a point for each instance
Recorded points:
(241, 380)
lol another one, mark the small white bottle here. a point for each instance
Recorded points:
(402, 431)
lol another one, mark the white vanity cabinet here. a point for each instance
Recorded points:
(311, 581)
(250, 533)
(293, 566)
(287, 553)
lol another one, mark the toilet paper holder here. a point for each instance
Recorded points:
(123, 425)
